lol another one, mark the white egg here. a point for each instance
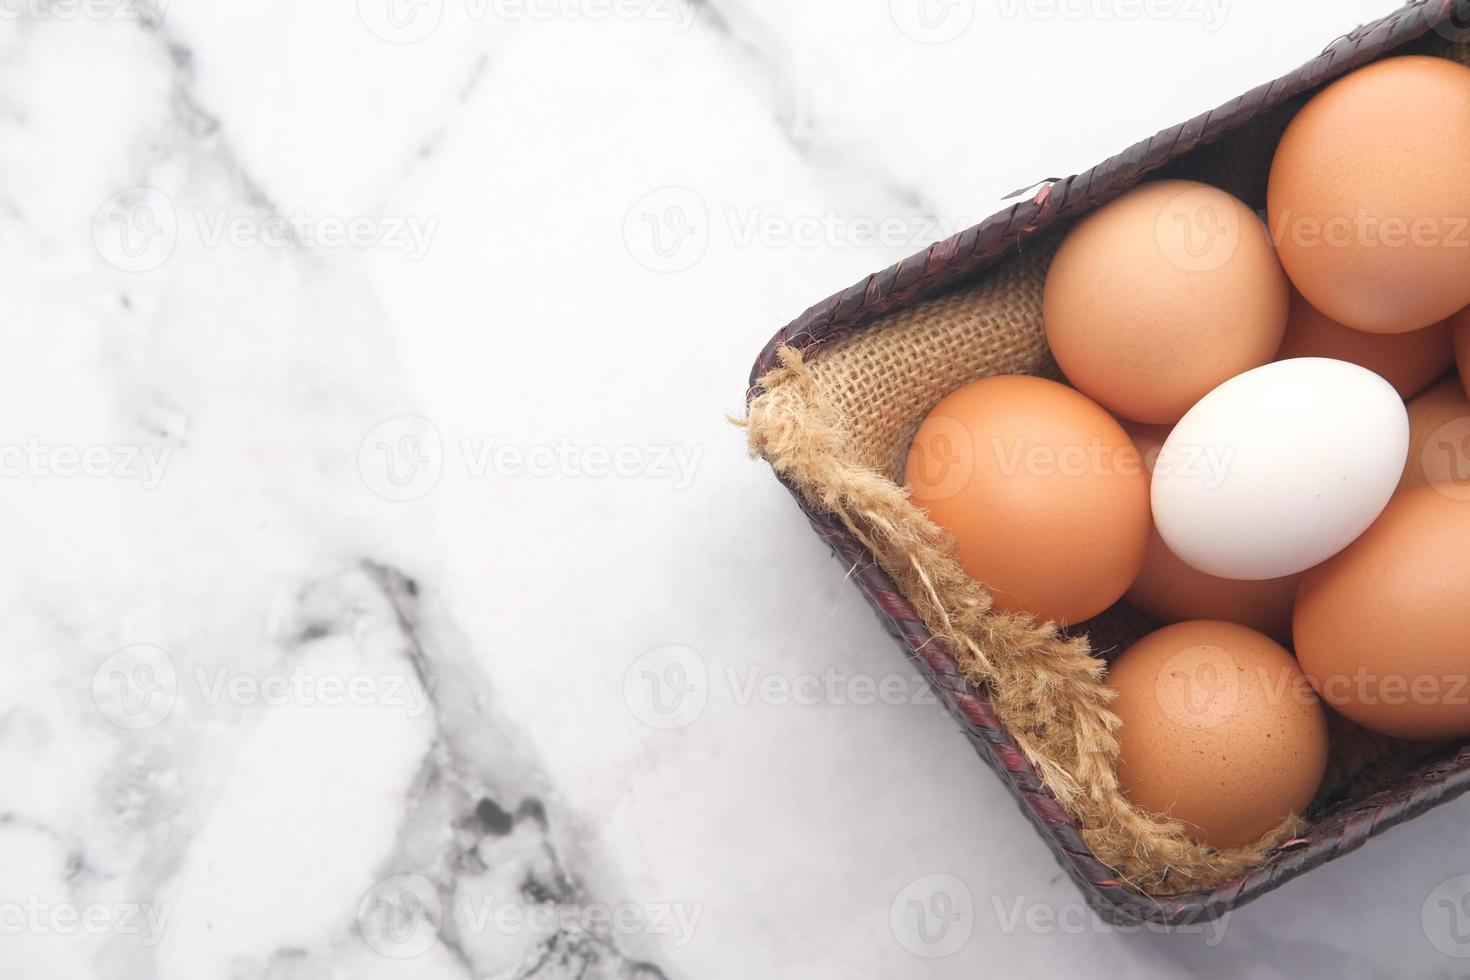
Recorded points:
(1280, 468)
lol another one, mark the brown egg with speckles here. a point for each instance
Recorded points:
(1439, 439)
(1408, 361)
(1169, 591)
(1220, 730)
(1381, 629)
(1369, 196)
(1159, 296)
(1043, 491)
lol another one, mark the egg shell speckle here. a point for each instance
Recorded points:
(1219, 730)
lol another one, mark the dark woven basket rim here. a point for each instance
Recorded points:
(1343, 828)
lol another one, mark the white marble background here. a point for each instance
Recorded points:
(403, 606)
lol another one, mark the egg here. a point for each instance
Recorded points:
(1160, 295)
(1219, 730)
(1439, 440)
(1280, 468)
(1383, 629)
(1169, 591)
(1408, 361)
(1369, 195)
(1461, 326)
(1044, 493)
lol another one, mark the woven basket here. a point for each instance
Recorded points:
(1002, 261)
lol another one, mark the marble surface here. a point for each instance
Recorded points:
(385, 593)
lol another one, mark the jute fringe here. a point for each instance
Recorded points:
(1047, 688)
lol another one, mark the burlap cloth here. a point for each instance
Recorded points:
(838, 427)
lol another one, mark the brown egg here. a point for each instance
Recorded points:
(1043, 491)
(1383, 629)
(1169, 591)
(1460, 324)
(1408, 361)
(1369, 196)
(1220, 730)
(1439, 439)
(1161, 295)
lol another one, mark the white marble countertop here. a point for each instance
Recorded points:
(385, 594)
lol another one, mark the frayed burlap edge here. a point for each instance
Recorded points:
(1047, 688)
